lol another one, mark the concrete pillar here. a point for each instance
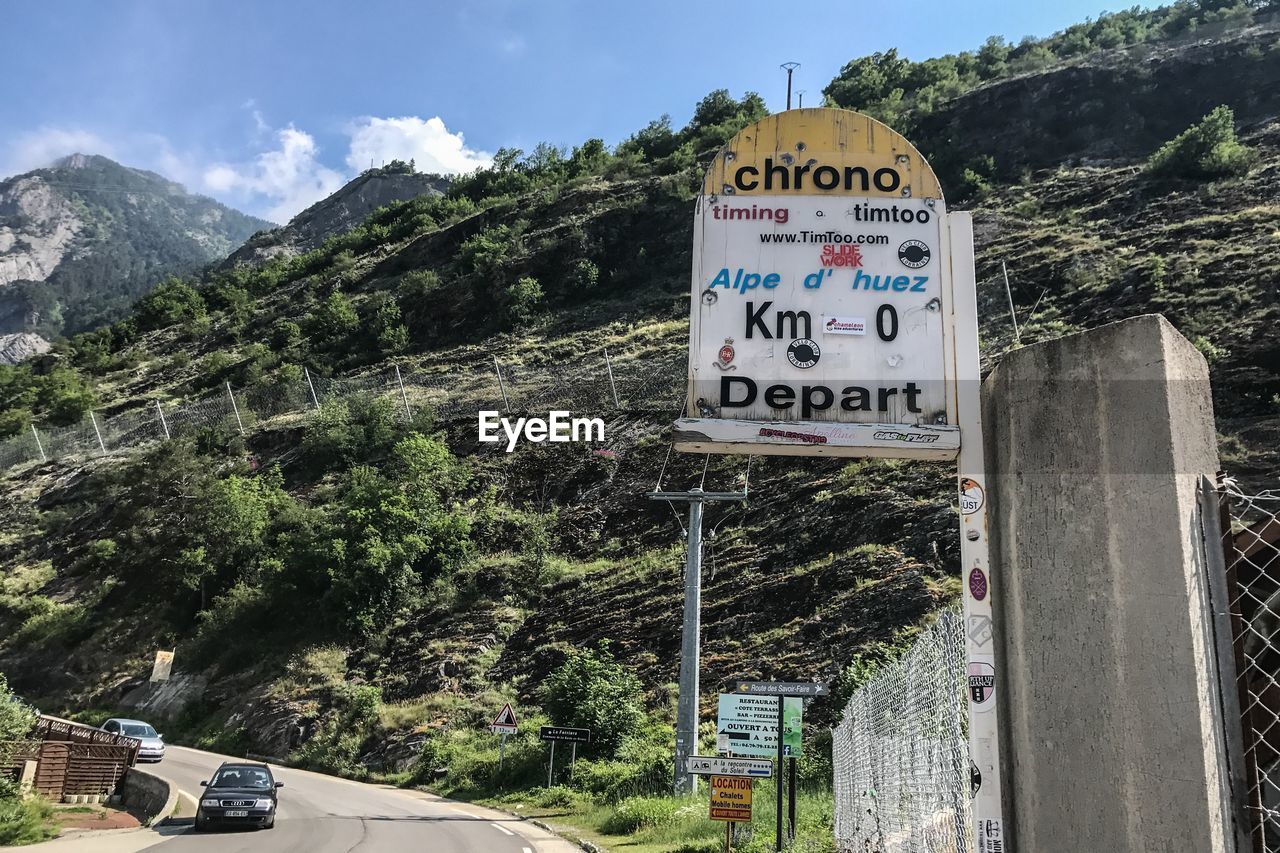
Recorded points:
(1112, 721)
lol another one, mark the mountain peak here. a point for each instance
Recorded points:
(80, 161)
(83, 238)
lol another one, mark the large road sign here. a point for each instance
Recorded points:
(731, 798)
(564, 734)
(716, 765)
(782, 688)
(834, 313)
(748, 725)
(821, 304)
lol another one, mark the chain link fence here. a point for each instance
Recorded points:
(1253, 583)
(901, 752)
(590, 386)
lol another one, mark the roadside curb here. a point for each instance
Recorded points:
(546, 827)
(581, 842)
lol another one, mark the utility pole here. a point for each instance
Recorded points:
(690, 639)
(789, 67)
(800, 98)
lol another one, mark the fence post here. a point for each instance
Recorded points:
(612, 387)
(97, 431)
(403, 396)
(235, 408)
(39, 446)
(1083, 531)
(163, 423)
(506, 404)
(314, 399)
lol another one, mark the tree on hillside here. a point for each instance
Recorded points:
(1206, 150)
(868, 79)
(16, 717)
(593, 691)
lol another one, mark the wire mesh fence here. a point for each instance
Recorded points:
(901, 752)
(1253, 575)
(590, 385)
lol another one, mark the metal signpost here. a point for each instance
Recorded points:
(563, 734)
(691, 632)
(834, 313)
(767, 724)
(504, 724)
(791, 730)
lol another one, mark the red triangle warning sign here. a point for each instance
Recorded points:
(505, 722)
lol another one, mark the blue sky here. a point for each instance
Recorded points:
(270, 105)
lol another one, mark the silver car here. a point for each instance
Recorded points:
(152, 741)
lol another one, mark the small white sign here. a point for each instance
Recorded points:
(709, 765)
(505, 723)
(832, 325)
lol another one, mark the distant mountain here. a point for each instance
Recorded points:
(81, 240)
(340, 212)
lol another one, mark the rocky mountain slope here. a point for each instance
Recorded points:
(84, 238)
(20, 346)
(338, 213)
(319, 554)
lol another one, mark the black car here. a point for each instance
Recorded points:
(239, 794)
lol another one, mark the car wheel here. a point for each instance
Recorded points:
(271, 824)
(201, 824)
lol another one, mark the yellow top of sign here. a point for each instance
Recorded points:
(817, 152)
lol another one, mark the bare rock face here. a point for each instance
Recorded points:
(37, 225)
(21, 346)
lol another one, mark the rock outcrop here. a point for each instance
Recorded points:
(19, 347)
(336, 214)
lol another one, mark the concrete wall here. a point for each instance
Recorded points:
(1111, 719)
(148, 795)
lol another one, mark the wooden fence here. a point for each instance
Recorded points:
(71, 759)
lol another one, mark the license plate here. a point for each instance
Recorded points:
(237, 813)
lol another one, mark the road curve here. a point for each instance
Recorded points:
(325, 814)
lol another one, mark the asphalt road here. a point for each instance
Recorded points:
(324, 814)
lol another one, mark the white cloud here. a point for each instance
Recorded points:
(425, 141)
(290, 176)
(38, 148)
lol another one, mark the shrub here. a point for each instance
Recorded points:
(1206, 150)
(23, 821)
(172, 301)
(16, 717)
(522, 300)
(637, 813)
(593, 691)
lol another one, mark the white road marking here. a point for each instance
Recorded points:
(527, 850)
(501, 828)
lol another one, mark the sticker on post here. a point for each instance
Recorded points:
(972, 496)
(977, 584)
(990, 836)
(982, 685)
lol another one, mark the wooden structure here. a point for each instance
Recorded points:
(71, 759)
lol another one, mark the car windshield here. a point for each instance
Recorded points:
(242, 777)
(137, 730)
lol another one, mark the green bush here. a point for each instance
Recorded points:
(593, 691)
(172, 301)
(637, 813)
(1206, 150)
(23, 821)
